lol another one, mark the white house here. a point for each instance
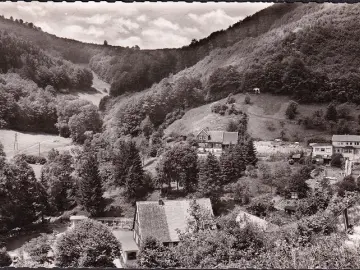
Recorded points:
(323, 150)
(347, 145)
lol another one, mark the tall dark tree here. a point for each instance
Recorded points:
(251, 157)
(331, 112)
(210, 178)
(233, 163)
(23, 199)
(56, 177)
(135, 185)
(89, 193)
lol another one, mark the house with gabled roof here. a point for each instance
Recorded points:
(215, 141)
(347, 145)
(164, 218)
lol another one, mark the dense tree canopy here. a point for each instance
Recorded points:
(89, 244)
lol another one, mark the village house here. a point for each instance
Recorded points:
(322, 151)
(347, 145)
(162, 219)
(215, 141)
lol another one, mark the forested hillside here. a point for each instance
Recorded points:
(309, 54)
(133, 70)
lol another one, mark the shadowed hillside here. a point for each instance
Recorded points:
(308, 54)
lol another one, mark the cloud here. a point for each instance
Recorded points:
(129, 24)
(216, 18)
(158, 37)
(98, 19)
(36, 11)
(142, 18)
(95, 31)
(149, 25)
(165, 24)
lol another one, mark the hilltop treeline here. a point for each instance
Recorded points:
(131, 70)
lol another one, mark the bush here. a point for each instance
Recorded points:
(247, 99)
(89, 244)
(38, 249)
(5, 259)
(291, 110)
(230, 99)
(32, 159)
(337, 160)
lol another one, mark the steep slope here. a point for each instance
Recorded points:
(294, 58)
(135, 70)
(68, 49)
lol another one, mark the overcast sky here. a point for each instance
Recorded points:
(148, 25)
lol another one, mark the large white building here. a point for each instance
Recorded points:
(347, 145)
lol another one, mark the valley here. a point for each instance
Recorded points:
(261, 118)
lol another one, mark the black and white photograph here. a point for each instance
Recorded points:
(180, 135)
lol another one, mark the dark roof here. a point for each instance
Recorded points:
(230, 137)
(216, 136)
(224, 137)
(346, 138)
(153, 221)
(162, 221)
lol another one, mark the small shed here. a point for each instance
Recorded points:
(290, 209)
(76, 219)
(129, 249)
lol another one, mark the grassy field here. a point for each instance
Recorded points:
(266, 118)
(28, 143)
(98, 91)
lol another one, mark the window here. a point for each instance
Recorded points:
(131, 255)
(328, 150)
(350, 143)
(317, 149)
(322, 149)
(347, 143)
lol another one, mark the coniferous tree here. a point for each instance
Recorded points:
(90, 193)
(232, 164)
(210, 178)
(239, 153)
(251, 153)
(135, 185)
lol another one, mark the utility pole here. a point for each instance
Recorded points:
(16, 147)
(39, 149)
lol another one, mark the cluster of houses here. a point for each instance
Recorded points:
(163, 219)
(347, 145)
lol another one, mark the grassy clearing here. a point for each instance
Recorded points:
(98, 91)
(28, 143)
(266, 118)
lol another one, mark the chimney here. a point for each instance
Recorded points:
(161, 202)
